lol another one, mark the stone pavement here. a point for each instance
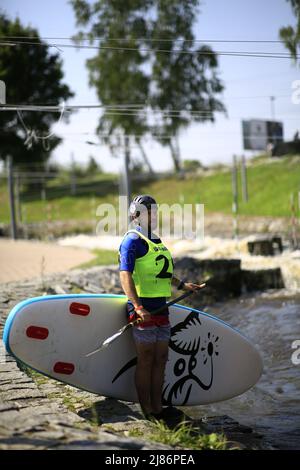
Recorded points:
(31, 420)
(37, 415)
(26, 259)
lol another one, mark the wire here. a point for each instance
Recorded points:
(109, 110)
(116, 107)
(149, 138)
(279, 55)
(169, 113)
(33, 137)
(87, 38)
(260, 77)
(254, 97)
(46, 108)
(57, 108)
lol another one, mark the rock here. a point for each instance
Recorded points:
(56, 290)
(262, 279)
(23, 394)
(94, 289)
(8, 407)
(225, 278)
(237, 435)
(265, 246)
(222, 276)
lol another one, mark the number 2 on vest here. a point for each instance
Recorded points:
(164, 272)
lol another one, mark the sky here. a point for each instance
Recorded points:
(249, 82)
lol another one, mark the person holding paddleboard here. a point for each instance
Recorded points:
(146, 273)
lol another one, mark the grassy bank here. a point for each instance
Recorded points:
(270, 185)
(102, 257)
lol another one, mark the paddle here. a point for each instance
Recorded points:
(122, 330)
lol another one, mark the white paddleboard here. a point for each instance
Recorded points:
(208, 360)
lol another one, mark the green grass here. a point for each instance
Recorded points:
(270, 185)
(103, 257)
(183, 436)
(60, 205)
(64, 208)
(37, 377)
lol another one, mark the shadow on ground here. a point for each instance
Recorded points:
(109, 410)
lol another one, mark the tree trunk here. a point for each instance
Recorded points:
(144, 155)
(174, 147)
(127, 179)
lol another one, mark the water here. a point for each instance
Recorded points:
(272, 322)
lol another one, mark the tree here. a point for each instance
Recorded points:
(93, 167)
(185, 79)
(34, 76)
(117, 74)
(132, 73)
(192, 165)
(291, 35)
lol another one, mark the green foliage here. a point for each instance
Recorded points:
(191, 165)
(185, 79)
(77, 169)
(184, 436)
(270, 184)
(102, 257)
(118, 76)
(32, 75)
(93, 167)
(148, 60)
(36, 376)
(137, 167)
(291, 35)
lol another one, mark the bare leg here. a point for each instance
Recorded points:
(145, 359)
(158, 374)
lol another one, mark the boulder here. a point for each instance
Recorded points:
(262, 279)
(223, 276)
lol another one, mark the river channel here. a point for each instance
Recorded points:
(272, 322)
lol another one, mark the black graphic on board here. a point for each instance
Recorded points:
(192, 350)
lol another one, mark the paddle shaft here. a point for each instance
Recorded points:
(112, 338)
(168, 304)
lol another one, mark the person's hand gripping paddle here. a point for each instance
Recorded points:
(122, 330)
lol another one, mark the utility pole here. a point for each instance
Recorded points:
(18, 199)
(73, 176)
(13, 224)
(294, 224)
(272, 98)
(234, 196)
(127, 172)
(244, 179)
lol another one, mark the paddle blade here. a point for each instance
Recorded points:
(93, 352)
(110, 340)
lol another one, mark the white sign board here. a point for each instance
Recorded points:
(257, 133)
